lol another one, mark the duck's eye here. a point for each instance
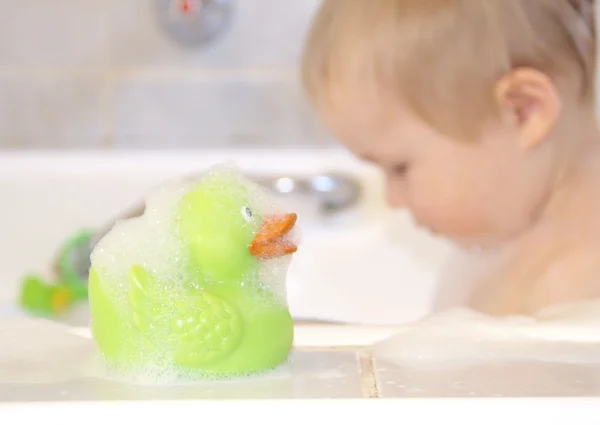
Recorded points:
(246, 213)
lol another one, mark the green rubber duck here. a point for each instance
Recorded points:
(216, 317)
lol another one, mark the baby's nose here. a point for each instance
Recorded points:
(396, 195)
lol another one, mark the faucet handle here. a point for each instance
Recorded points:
(193, 23)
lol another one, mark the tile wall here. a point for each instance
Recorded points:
(102, 73)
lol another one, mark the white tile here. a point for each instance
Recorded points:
(262, 34)
(51, 111)
(311, 374)
(508, 379)
(54, 33)
(196, 111)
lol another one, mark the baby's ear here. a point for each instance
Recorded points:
(530, 99)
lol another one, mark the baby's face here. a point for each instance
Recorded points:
(476, 193)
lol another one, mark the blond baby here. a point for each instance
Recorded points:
(480, 113)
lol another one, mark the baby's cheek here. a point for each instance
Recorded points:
(451, 213)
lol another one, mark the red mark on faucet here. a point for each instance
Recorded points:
(186, 6)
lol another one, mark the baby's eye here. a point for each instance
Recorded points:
(247, 213)
(400, 169)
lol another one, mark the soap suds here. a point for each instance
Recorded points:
(563, 334)
(143, 240)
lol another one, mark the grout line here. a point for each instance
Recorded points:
(365, 365)
(216, 73)
(367, 375)
(266, 74)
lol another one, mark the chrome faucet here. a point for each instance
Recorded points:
(333, 192)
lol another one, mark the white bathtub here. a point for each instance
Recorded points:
(46, 196)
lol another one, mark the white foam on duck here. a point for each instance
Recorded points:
(152, 242)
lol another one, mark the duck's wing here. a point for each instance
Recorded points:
(199, 328)
(150, 309)
(205, 328)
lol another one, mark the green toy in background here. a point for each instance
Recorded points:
(196, 286)
(54, 298)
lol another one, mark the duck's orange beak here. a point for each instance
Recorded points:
(270, 241)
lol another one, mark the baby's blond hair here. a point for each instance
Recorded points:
(441, 58)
